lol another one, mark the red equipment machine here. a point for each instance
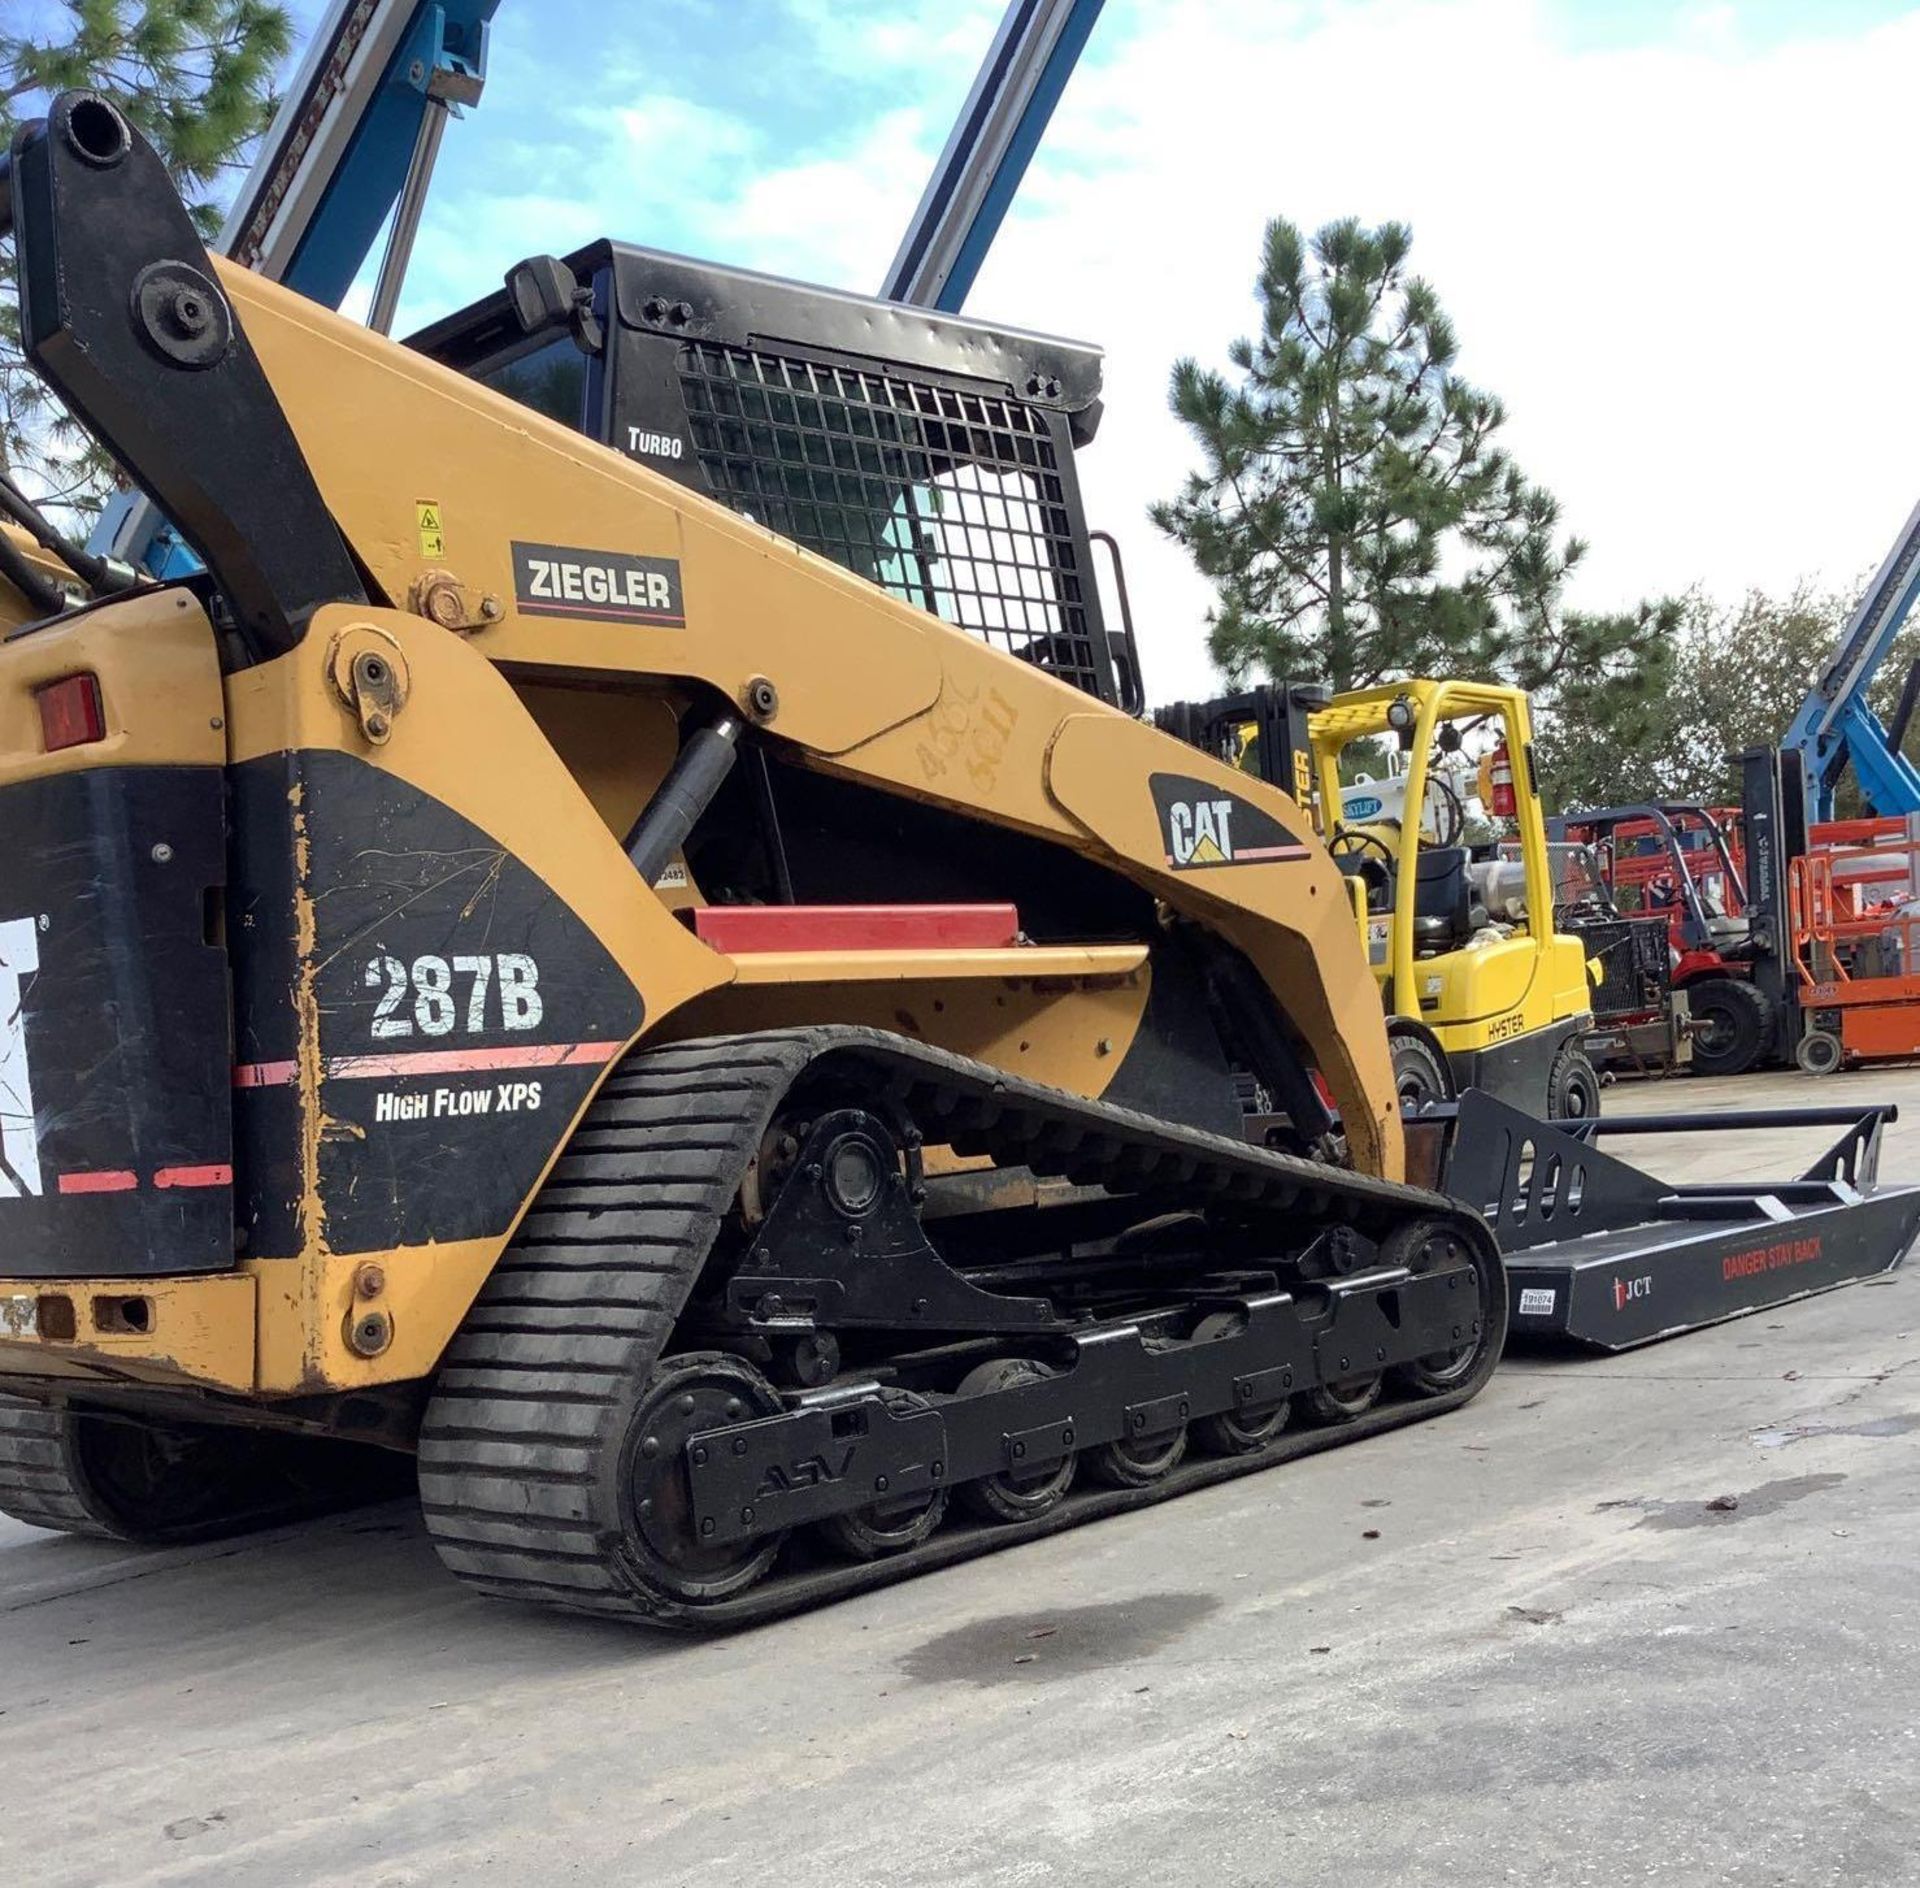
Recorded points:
(1673, 858)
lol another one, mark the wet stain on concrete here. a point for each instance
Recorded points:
(1724, 1510)
(1873, 1426)
(1026, 1648)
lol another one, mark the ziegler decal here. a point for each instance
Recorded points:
(606, 586)
(1203, 826)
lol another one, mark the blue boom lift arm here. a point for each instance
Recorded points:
(1835, 725)
(999, 128)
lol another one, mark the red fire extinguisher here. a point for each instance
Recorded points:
(1505, 803)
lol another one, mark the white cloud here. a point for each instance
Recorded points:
(912, 36)
(836, 220)
(1685, 268)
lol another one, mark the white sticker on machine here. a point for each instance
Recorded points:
(1536, 1302)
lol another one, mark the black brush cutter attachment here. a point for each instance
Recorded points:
(1606, 1256)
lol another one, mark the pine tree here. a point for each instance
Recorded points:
(1355, 512)
(197, 78)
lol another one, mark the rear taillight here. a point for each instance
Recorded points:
(70, 712)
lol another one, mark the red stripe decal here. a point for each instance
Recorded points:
(403, 1062)
(533, 1055)
(108, 1180)
(265, 1074)
(217, 1176)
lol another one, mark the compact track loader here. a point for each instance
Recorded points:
(730, 1052)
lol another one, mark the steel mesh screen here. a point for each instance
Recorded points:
(952, 500)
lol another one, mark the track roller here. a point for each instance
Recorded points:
(1330, 1403)
(890, 1525)
(1421, 1248)
(1246, 1430)
(1015, 1494)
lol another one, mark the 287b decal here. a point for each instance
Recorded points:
(439, 995)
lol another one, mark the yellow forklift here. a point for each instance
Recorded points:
(1480, 989)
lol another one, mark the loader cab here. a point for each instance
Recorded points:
(930, 454)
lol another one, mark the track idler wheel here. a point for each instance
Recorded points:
(1014, 1494)
(887, 1527)
(1243, 1431)
(1421, 1247)
(697, 1391)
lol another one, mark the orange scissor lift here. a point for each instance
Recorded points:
(1854, 916)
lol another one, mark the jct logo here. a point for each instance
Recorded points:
(19, 1140)
(1626, 1290)
(1200, 832)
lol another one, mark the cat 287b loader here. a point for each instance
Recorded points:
(521, 963)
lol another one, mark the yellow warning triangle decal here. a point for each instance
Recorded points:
(1206, 852)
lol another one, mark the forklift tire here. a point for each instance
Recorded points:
(1420, 1073)
(1819, 1052)
(1734, 1025)
(1573, 1085)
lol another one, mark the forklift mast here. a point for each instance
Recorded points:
(1262, 731)
(1773, 804)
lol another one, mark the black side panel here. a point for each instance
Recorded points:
(464, 1012)
(266, 1036)
(1175, 1067)
(115, 1139)
(1514, 1072)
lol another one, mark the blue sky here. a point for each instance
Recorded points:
(729, 90)
(1637, 212)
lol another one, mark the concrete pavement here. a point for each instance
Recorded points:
(1512, 1645)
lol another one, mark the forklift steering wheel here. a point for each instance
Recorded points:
(1359, 839)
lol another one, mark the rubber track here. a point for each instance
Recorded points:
(38, 1482)
(518, 1455)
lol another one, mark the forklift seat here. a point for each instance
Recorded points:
(1445, 914)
